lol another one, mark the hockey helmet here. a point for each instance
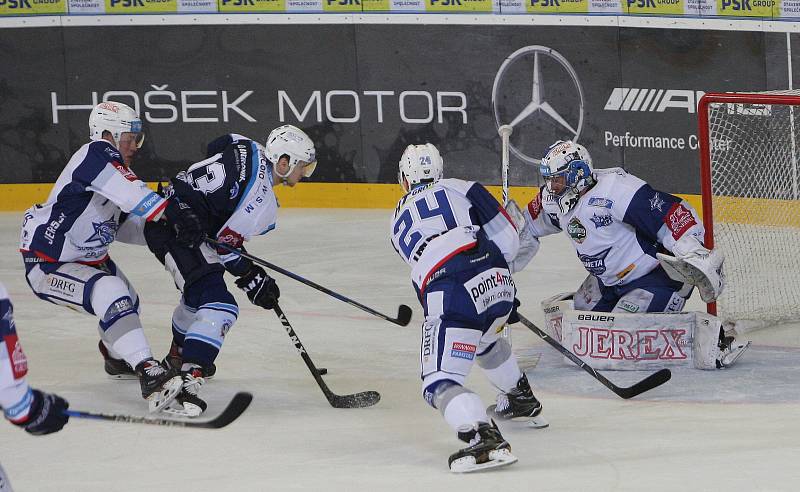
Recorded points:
(571, 161)
(292, 142)
(115, 118)
(420, 164)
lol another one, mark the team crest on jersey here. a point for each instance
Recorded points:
(234, 190)
(601, 220)
(600, 202)
(595, 264)
(231, 238)
(657, 203)
(679, 219)
(104, 232)
(576, 230)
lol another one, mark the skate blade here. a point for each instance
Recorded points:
(497, 458)
(171, 389)
(121, 377)
(189, 410)
(732, 358)
(537, 422)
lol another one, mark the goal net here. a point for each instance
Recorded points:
(751, 202)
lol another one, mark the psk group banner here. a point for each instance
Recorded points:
(364, 92)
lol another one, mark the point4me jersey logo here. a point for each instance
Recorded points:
(539, 118)
(490, 287)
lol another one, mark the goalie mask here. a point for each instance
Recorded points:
(292, 142)
(117, 119)
(420, 164)
(567, 172)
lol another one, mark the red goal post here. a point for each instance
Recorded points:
(751, 202)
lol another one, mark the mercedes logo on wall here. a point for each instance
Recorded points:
(538, 93)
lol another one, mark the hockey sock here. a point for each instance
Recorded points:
(500, 366)
(464, 410)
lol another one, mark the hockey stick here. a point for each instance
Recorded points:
(505, 134)
(403, 312)
(235, 408)
(656, 379)
(357, 400)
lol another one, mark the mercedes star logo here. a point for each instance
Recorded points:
(538, 118)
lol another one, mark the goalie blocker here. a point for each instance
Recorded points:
(641, 341)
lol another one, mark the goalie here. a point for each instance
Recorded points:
(643, 248)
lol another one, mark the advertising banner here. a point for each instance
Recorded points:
(364, 92)
(33, 7)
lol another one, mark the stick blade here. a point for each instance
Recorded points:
(404, 315)
(654, 380)
(235, 408)
(357, 400)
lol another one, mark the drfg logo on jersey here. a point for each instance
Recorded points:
(490, 287)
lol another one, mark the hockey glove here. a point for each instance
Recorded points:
(46, 414)
(260, 288)
(513, 317)
(185, 222)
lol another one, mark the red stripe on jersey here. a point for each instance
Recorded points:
(442, 262)
(19, 363)
(157, 210)
(505, 214)
(125, 171)
(535, 206)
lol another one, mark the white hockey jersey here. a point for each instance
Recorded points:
(15, 394)
(617, 226)
(94, 195)
(434, 222)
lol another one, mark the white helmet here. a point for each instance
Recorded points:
(418, 164)
(293, 142)
(573, 162)
(115, 118)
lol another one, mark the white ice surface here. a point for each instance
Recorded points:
(726, 430)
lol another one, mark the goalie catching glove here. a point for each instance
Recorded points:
(260, 288)
(693, 264)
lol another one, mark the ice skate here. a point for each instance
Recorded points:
(188, 402)
(519, 404)
(487, 449)
(175, 359)
(159, 385)
(730, 351)
(115, 368)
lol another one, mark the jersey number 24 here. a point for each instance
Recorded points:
(406, 224)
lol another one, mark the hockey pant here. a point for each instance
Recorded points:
(207, 310)
(464, 316)
(100, 290)
(652, 293)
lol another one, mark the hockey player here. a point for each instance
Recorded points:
(457, 239)
(64, 242)
(37, 412)
(620, 228)
(232, 192)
